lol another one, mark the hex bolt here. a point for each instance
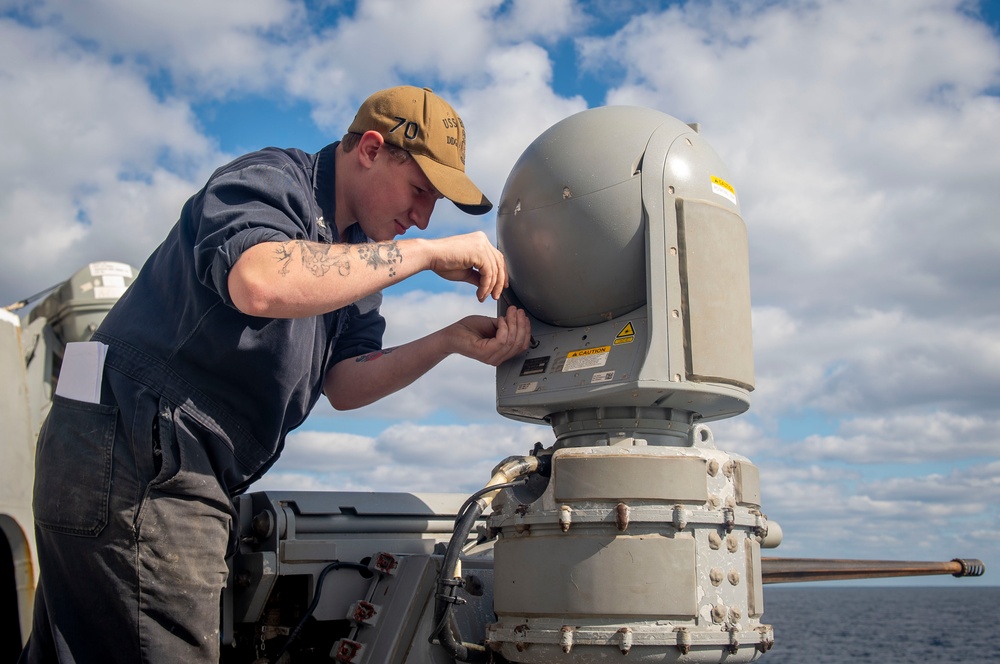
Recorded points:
(683, 640)
(621, 517)
(565, 517)
(566, 638)
(680, 517)
(625, 639)
(729, 519)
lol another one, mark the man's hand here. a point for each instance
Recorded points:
(361, 380)
(470, 258)
(493, 340)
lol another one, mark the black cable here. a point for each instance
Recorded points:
(445, 599)
(20, 304)
(482, 492)
(315, 601)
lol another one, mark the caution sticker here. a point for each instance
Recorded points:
(724, 189)
(587, 358)
(626, 335)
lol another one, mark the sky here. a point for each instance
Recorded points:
(863, 138)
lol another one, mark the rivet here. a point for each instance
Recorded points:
(715, 576)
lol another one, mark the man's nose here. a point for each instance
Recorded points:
(420, 214)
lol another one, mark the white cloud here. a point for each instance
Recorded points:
(868, 361)
(84, 171)
(205, 48)
(530, 20)
(902, 438)
(385, 43)
(830, 512)
(403, 457)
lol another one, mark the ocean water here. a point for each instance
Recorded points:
(884, 625)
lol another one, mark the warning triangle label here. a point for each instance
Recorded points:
(627, 331)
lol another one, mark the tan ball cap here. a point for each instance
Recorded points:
(427, 127)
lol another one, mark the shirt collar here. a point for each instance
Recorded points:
(325, 189)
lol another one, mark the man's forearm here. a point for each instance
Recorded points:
(364, 379)
(297, 278)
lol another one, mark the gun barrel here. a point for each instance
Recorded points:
(790, 570)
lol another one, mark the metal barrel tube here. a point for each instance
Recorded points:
(345, 524)
(792, 570)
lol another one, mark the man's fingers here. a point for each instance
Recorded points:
(477, 261)
(513, 335)
(523, 331)
(492, 275)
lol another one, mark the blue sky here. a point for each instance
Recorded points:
(863, 138)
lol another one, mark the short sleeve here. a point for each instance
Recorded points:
(242, 206)
(362, 332)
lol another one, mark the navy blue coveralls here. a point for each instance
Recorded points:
(132, 502)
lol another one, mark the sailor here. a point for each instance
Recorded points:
(262, 297)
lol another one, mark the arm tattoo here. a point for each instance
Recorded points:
(374, 355)
(381, 254)
(316, 258)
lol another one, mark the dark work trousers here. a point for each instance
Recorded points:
(132, 530)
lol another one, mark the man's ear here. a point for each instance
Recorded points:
(369, 145)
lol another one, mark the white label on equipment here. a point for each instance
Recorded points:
(602, 377)
(103, 268)
(108, 292)
(526, 387)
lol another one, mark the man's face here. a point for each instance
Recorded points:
(397, 196)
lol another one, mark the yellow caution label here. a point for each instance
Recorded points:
(626, 335)
(589, 351)
(722, 183)
(724, 189)
(586, 358)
